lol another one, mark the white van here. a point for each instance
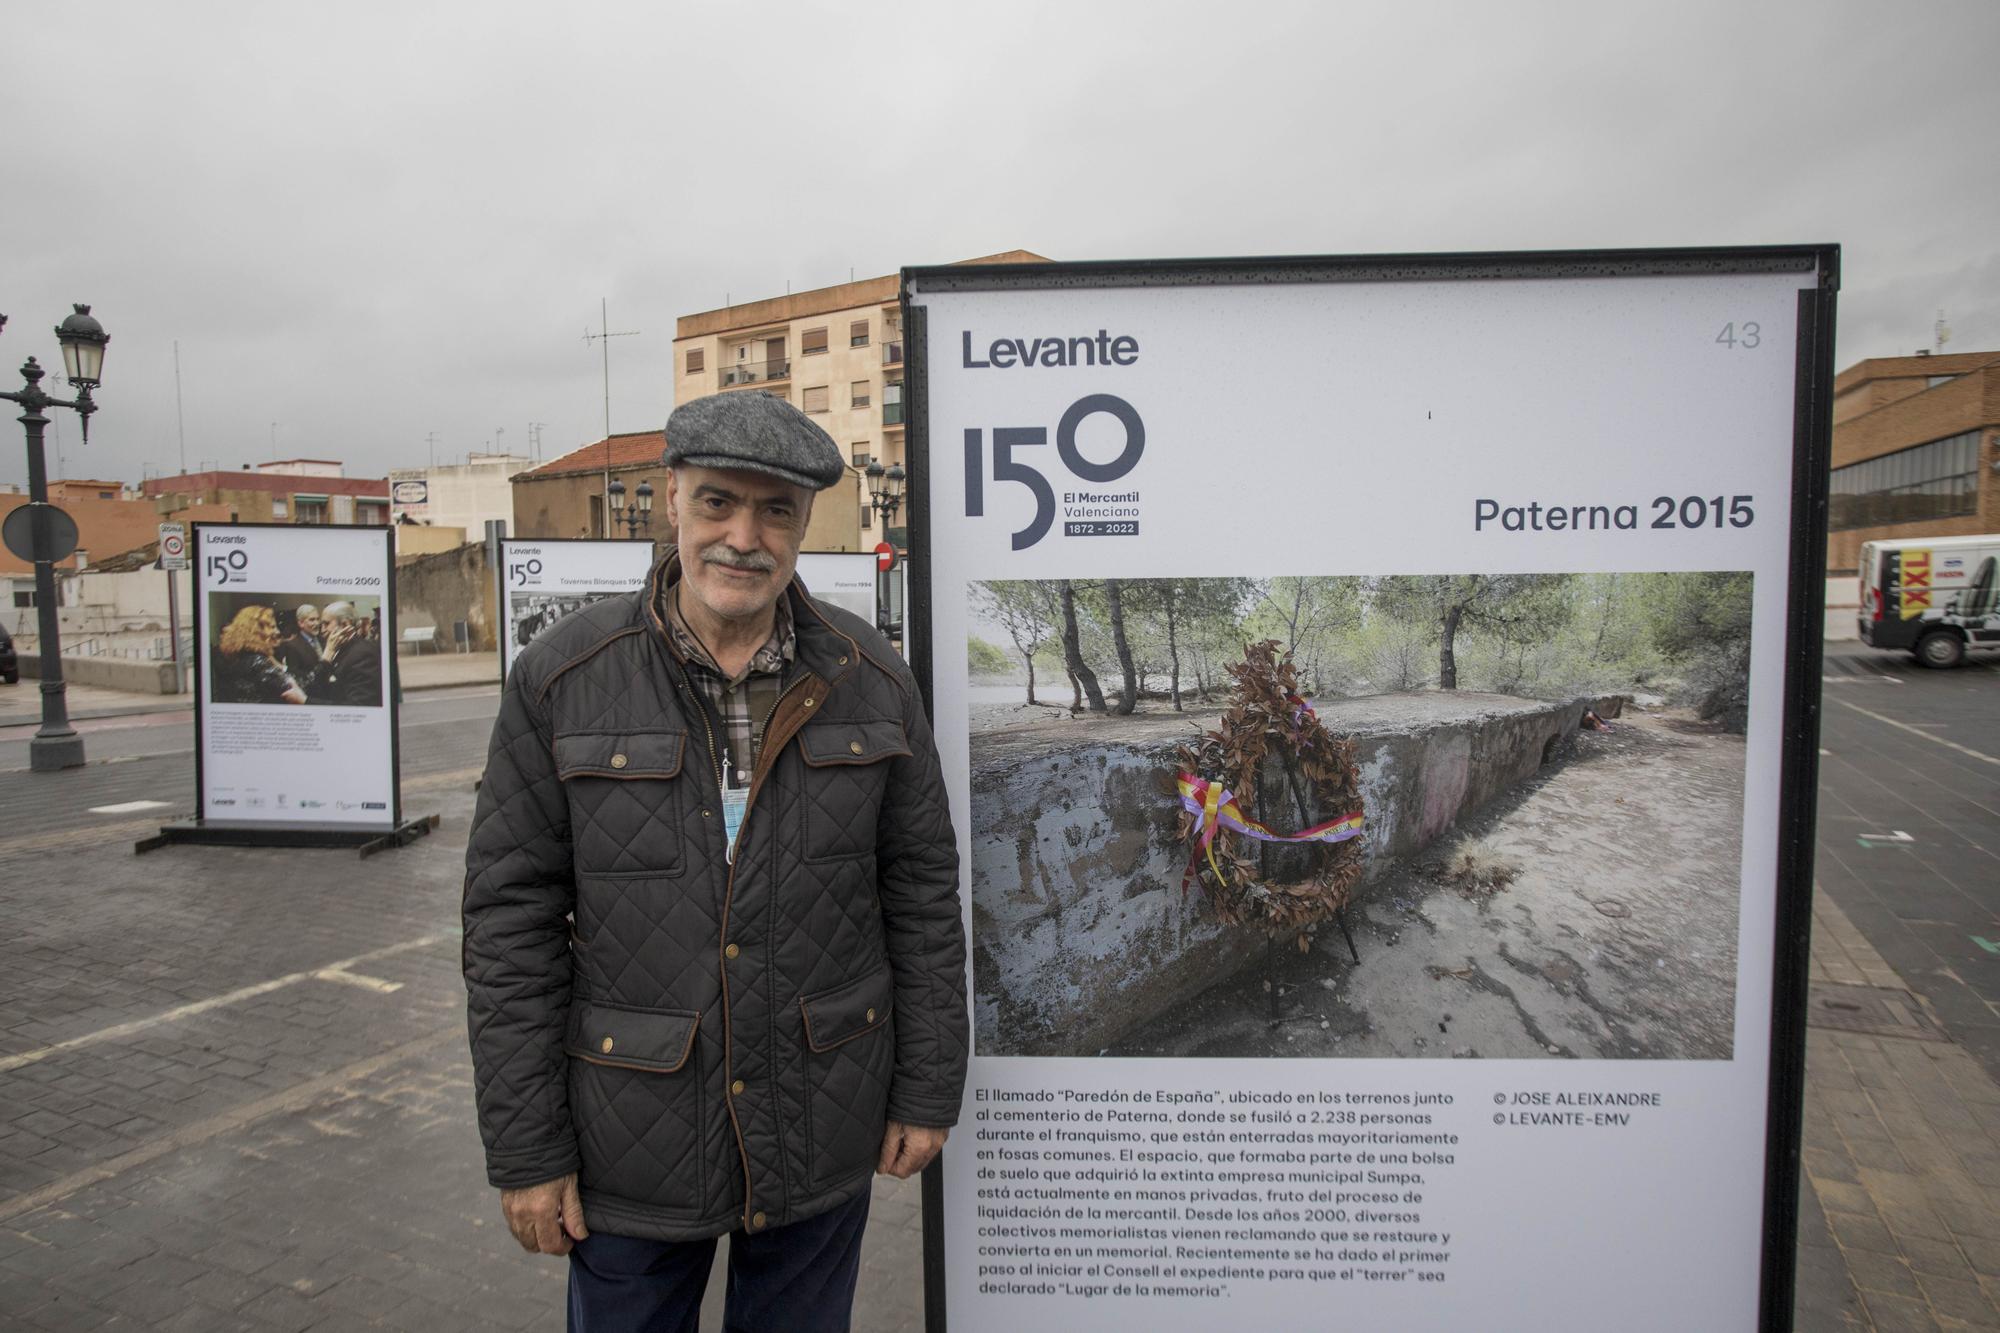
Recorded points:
(1938, 597)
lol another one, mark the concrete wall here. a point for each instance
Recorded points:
(1080, 929)
(1843, 604)
(449, 586)
(413, 540)
(112, 673)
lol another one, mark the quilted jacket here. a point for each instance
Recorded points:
(710, 1046)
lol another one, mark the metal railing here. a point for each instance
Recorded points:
(755, 372)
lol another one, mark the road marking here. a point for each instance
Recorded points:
(1986, 944)
(127, 807)
(292, 1099)
(1934, 740)
(214, 1002)
(1870, 839)
(375, 984)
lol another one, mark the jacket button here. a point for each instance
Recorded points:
(854, 747)
(809, 702)
(731, 951)
(618, 761)
(843, 661)
(704, 814)
(871, 1015)
(756, 1221)
(605, 1046)
(736, 1088)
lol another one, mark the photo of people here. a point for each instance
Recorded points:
(532, 612)
(295, 648)
(1420, 816)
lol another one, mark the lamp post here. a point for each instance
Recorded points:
(885, 491)
(637, 516)
(56, 745)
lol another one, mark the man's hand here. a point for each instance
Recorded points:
(547, 1218)
(908, 1149)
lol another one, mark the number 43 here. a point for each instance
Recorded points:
(1731, 336)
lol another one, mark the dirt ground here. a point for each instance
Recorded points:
(1615, 939)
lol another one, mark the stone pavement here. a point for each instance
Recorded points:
(234, 1094)
(1899, 1224)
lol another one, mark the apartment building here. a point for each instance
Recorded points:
(291, 490)
(1916, 451)
(835, 352)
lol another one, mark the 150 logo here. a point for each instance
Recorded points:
(523, 572)
(1006, 467)
(229, 566)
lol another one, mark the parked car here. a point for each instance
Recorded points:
(1937, 597)
(10, 665)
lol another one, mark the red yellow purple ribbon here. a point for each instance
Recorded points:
(1215, 808)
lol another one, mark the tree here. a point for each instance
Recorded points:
(1448, 603)
(1082, 678)
(1703, 620)
(1025, 611)
(1115, 609)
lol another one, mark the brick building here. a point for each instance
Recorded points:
(294, 490)
(1916, 451)
(565, 497)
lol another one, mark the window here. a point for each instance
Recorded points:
(697, 360)
(867, 514)
(1930, 481)
(857, 333)
(857, 393)
(278, 507)
(371, 513)
(311, 511)
(863, 455)
(812, 342)
(815, 399)
(107, 495)
(24, 598)
(892, 403)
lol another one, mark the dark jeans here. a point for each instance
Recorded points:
(797, 1278)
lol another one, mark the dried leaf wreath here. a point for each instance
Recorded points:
(1270, 731)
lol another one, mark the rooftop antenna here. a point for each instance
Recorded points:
(180, 427)
(535, 438)
(1941, 331)
(604, 335)
(432, 440)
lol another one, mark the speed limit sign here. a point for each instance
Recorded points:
(173, 546)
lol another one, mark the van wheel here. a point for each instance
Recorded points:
(1940, 649)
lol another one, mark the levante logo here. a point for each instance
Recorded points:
(226, 566)
(1086, 513)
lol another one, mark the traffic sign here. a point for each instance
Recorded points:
(885, 555)
(18, 531)
(173, 546)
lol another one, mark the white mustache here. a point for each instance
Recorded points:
(721, 554)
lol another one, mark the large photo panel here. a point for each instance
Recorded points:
(295, 672)
(1362, 695)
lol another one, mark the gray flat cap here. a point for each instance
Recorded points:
(757, 431)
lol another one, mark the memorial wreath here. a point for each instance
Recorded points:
(1270, 740)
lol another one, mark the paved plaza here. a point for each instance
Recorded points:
(234, 1091)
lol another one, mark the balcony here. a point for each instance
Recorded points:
(892, 353)
(755, 372)
(892, 413)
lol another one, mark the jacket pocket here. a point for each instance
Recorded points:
(627, 799)
(850, 1053)
(848, 763)
(635, 1103)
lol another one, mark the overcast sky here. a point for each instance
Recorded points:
(366, 223)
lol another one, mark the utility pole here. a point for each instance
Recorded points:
(604, 335)
(432, 440)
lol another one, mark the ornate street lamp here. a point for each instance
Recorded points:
(885, 491)
(636, 516)
(56, 745)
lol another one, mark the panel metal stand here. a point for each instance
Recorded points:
(368, 839)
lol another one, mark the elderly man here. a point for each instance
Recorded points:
(712, 932)
(350, 674)
(302, 650)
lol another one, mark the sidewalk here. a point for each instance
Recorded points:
(432, 671)
(1899, 1212)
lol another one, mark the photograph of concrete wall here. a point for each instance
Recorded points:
(1508, 824)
